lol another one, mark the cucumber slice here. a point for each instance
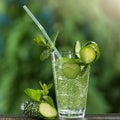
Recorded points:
(95, 47)
(87, 54)
(47, 110)
(71, 69)
(77, 49)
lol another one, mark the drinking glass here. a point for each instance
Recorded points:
(71, 79)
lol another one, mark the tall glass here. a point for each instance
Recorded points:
(71, 85)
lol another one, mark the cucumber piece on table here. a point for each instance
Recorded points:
(47, 110)
(31, 109)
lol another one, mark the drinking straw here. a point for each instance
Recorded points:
(42, 30)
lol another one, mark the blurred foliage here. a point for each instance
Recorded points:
(83, 20)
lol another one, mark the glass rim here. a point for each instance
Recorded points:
(64, 51)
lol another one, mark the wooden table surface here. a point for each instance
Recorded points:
(115, 116)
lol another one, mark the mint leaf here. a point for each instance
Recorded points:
(45, 54)
(54, 37)
(33, 94)
(49, 100)
(49, 86)
(40, 40)
(45, 88)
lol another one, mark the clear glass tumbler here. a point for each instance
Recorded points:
(71, 84)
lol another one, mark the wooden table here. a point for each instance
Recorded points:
(115, 116)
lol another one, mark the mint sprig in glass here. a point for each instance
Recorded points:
(47, 47)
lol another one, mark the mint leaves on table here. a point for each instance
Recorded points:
(41, 41)
(40, 94)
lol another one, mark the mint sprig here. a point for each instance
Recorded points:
(47, 48)
(45, 88)
(41, 94)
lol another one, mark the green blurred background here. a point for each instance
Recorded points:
(83, 20)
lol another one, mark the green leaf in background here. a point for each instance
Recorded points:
(45, 54)
(33, 94)
(40, 40)
(49, 100)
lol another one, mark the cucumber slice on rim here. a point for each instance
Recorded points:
(95, 47)
(77, 49)
(88, 54)
(47, 110)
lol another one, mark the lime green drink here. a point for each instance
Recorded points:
(71, 78)
(71, 85)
